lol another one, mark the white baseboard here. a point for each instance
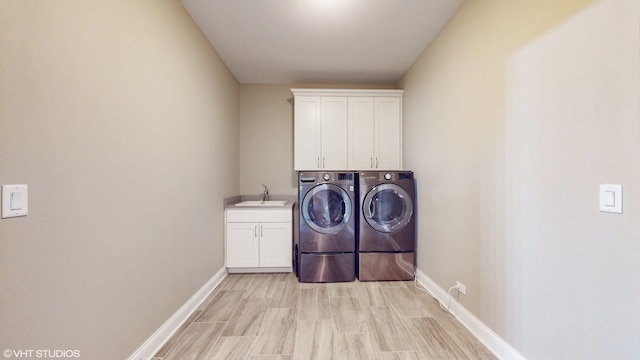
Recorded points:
(490, 339)
(164, 333)
(258, 270)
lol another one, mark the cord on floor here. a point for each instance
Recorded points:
(448, 307)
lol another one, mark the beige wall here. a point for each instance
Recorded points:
(513, 117)
(123, 122)
(266, 141)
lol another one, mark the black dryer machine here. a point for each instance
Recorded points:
(326, 244)
(387, 237)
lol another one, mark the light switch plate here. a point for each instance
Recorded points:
(15, 201)
(611, 198)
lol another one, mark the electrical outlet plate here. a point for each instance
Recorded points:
(461, 288)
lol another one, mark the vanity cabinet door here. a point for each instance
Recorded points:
(243, 245)
(275, 244)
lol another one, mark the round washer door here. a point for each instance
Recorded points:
(326, 208)
(387, 208)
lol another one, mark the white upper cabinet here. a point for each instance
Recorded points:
(347, 129)
(334, 133)
(320, 133)
(361, 133)
(307, 132)
(387, 142)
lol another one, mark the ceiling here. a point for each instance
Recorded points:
(320, 41)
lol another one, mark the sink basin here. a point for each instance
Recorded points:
(262, 203)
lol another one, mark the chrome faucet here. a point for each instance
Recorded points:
(265, 194)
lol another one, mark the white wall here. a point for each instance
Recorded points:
(123, 121)
(513, 117)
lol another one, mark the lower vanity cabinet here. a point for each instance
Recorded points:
(259, 240)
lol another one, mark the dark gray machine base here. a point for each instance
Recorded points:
(386, 266)
(322, 268)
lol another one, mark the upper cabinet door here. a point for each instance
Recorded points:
(307, 133)
(361, 133)
(334, 133)
(388, 133)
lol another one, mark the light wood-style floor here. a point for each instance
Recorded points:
(273, 316)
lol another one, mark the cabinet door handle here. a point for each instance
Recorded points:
(261, 230)
(323, 163)
(318, 162)
(376, 162)
(371, 163)
(255, 231)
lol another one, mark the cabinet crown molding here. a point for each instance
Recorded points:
(347, 92)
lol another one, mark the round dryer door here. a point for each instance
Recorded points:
(387, 208)
(326, 208)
